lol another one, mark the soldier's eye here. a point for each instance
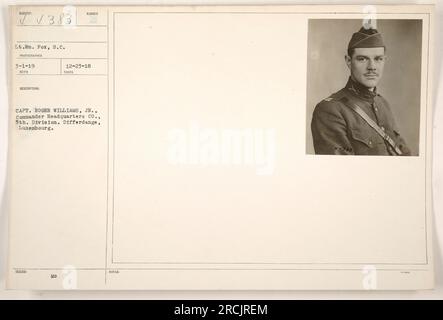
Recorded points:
(361, 59)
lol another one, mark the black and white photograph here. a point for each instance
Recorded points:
(363, 87)
(194, 153)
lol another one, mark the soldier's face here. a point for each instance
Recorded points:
(366, 65)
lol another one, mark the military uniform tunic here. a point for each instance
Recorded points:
(338, 129)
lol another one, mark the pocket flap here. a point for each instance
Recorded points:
(363, 136)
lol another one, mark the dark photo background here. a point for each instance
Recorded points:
(401, 81)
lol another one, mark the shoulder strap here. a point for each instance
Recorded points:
(371, 123)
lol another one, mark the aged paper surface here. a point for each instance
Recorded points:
(170, 148)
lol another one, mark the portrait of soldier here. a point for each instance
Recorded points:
(357, 120)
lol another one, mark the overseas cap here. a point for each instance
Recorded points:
(366, 38)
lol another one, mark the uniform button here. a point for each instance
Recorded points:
(376, 109)
(370, 142)
(383, 128)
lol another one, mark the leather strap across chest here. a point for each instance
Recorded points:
(356, 108)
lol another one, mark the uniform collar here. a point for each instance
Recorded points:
(360, 90)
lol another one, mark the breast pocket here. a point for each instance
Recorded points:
(365, 141)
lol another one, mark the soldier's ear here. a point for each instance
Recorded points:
(348, 61)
